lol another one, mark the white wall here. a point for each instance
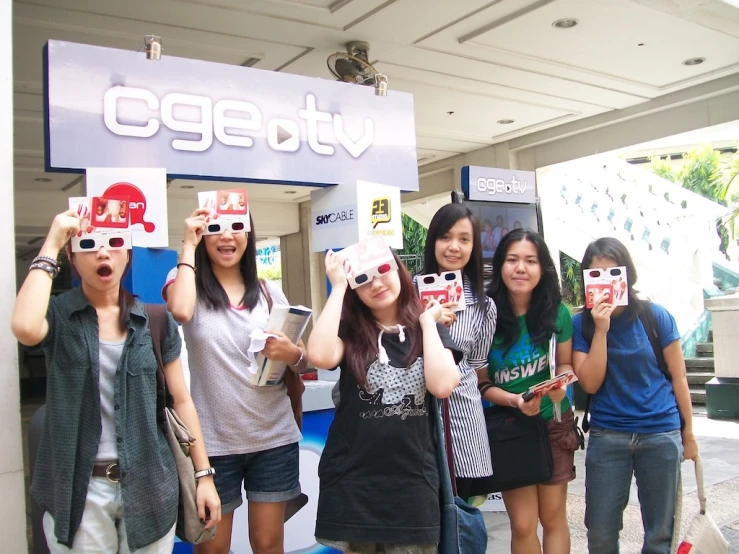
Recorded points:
(13, 505)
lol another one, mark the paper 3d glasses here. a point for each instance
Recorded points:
(446, 287)
(610, 282)
(366, 260)
(229, 211)
(104, 223)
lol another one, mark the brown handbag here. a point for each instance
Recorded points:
(189, 528)
(293, 382)
(295, 388)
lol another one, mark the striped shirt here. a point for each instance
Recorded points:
(473, 333)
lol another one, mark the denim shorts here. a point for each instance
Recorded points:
(268, 476)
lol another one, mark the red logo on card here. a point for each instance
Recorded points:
(441, 295)
(136, 203)
(684, 548)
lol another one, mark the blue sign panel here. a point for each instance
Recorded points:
(205, 120)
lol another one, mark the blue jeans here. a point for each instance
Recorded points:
(268, 476)
(611, 459)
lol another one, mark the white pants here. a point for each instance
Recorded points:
(102, 529)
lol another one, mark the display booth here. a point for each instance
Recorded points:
(131, 123)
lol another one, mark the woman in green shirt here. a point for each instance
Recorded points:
(525, 288)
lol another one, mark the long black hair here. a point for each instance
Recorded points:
(541, 317)
(209, 288)
(612, 249)
(443, 220)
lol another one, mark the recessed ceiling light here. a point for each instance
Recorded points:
(42, 180)
(187, 187)
(694, 61)
(506, 121)
(567, 23)
(640, 44)
(291, 192)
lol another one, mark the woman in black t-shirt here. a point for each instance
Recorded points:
(379, 488)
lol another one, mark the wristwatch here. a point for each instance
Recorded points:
(205, 472)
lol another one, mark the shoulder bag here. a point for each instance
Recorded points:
(189, 527)
(463, 528)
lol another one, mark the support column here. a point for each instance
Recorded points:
(303, 273)
(13, 505)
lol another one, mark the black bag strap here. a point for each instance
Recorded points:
(445, 478)
(646, 316)
(158, 327)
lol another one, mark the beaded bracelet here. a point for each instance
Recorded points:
(48, 268)
(47, 259)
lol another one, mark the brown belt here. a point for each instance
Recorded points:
(111, 471)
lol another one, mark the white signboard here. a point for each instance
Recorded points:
(491, 184)
(346, 214)
(146, 190)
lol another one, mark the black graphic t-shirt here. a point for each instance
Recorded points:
(378, 470)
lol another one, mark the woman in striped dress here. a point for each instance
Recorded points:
(453, 243)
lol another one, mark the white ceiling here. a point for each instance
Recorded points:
(481, 60)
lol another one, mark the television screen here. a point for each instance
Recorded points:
(497, 219)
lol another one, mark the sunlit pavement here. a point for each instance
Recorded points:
(719, 444)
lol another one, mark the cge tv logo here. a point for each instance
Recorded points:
(230, 122)
(499, 186)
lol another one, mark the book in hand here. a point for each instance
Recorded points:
(561, 380)
(290, 320)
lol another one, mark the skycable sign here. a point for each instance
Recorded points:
(204, 120)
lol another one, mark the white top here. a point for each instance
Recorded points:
(236, 416)
(110, 354)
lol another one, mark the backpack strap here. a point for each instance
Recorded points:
(266, 294)
(158, 327)
(646, 316)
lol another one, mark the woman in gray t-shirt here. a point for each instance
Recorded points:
(250, 431)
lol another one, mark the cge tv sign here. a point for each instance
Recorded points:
(204, 120)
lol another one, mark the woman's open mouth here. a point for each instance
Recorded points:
(105, 270)
(227, 250)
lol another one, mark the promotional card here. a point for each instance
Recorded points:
(146, 190)
(104, 222)
(609, 281)
(368, 259)
(561, 380)
(446, 287)
(229, 211)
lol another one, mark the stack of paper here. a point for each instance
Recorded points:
(290, 320)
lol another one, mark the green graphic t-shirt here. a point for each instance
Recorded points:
(525, 364)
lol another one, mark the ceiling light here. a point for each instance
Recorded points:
(694, 61)
(506, 121)
(42, 180)
(567, 23)
(291, 192)
(186, 186)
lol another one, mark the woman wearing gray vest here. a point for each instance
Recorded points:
(105, 473)
(250, 431)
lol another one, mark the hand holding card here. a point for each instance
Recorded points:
(610, 281)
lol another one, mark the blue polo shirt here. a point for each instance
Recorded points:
(635, 396)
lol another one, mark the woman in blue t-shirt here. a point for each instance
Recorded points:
(635, 411)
